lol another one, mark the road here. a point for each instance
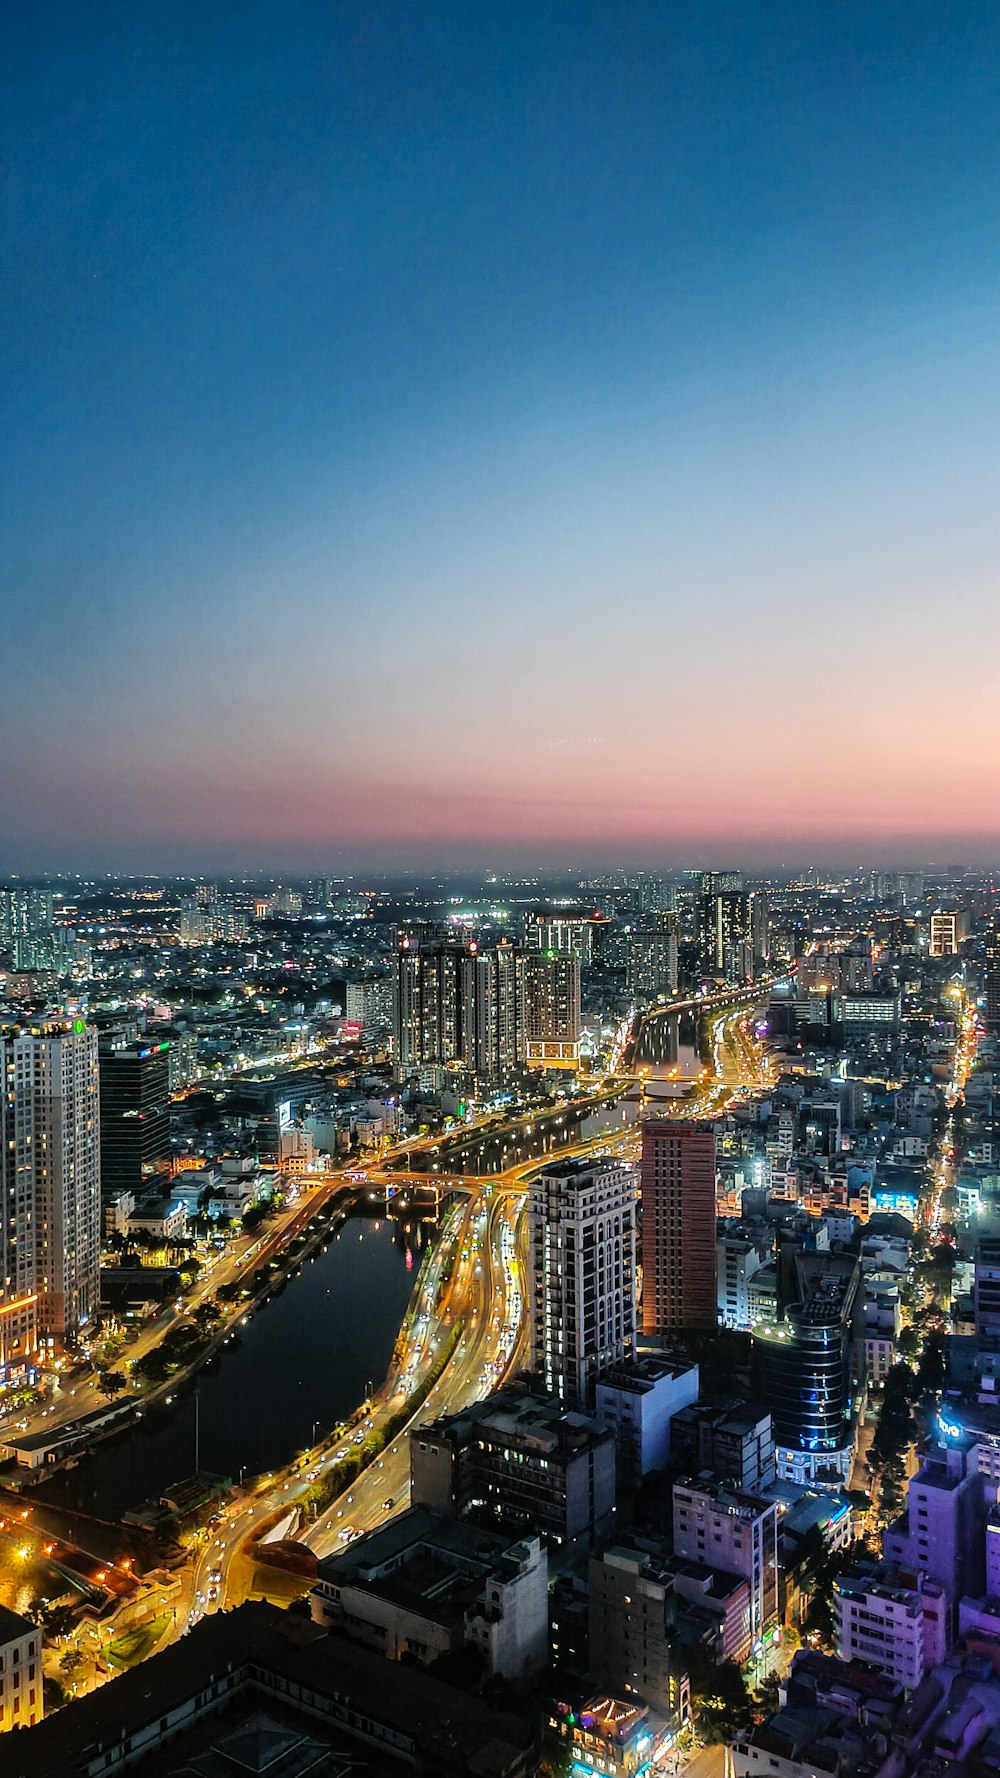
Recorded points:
(943, 1169)
(474, 1279)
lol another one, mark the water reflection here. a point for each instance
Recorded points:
(302, 1360)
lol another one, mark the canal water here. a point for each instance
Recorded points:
(304, 1358)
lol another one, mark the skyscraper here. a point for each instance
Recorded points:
(18, 1295)
(947, 931)
(725, 935)
(490, 1023)
(549, 1008)
(993, 977)
(135, 1111)
(581, 1223)
(491, 1009)
(760, 929)
(651, 960)
(426, 1013)
(678, 1225)
(50, 1173)
(802, 1364)
(566, 930)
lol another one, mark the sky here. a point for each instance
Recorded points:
(465, 434)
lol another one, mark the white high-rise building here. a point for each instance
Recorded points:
(899, 1626)
(582, 1231)
(18, 1295)
(50, 1179)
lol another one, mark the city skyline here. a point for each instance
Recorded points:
(454, 437)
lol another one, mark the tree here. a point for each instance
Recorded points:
(112, 1383)
(70, 1662)
(719, 1693)
(766, 1697)
(57, 1620)
(816, 1570)
(933, 1366)
(54, 1694)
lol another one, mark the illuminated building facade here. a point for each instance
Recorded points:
(135, 1111)
(566, 932)
(488, 1010)
(725, 928)
(678, 1225)
(51, 1172)
(549, 1009)
(802, 1365)
(581, 1229)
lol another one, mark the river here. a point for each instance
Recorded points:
(303, 1359)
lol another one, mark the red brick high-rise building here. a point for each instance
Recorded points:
(677, 1193)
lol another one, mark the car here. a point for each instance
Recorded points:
(387, 1505)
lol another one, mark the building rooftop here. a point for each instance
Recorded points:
(813, 1736)
(724, 1496)
(736, 1418)
(519, 1415)
(260, 1647)
(13, 1626)
(642, 1374)
(427, 1561)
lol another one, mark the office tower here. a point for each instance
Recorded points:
(287, 902)
(651, 965)
(549, 1008)
(720, 882)
(678, 1225)
(582, 1271)
(51, 1157)
(885, 887)
(368, 1005)
(947, 930)
(567, 931)
(651, 895)
(802, 1364)
(724, 932)
(194, 922)
(720, 1527)
(135, 1111)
